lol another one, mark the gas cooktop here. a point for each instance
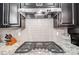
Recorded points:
(49, 45)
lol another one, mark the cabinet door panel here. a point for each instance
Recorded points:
(6, 14)
(78, 14)
(13, 13)
(66, 13)
(14, 19)
(1, 13)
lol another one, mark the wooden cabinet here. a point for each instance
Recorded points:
(67, 14)
(4, 14)
(40, 5)
(9, 16)
(1, 13)
(14, 16)
(66, 17)
(77, 16)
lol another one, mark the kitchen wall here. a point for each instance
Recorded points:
(36, 30)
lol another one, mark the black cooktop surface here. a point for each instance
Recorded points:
(49, 45)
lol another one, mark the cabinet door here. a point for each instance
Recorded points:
(77, 14)
(40, 5)
(14, 19)
(5, 14)
(1, 13)
(67, 14)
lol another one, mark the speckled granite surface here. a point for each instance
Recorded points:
(69, 48)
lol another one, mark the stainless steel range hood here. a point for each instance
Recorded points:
(38, 11)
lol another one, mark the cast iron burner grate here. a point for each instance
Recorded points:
(49, 45)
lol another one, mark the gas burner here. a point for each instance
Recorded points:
(50, 46)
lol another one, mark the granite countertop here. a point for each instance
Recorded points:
(69, 48)
(59, 37)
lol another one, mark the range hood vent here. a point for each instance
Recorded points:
(39, 12)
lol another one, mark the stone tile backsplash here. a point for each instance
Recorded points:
(36, 30)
